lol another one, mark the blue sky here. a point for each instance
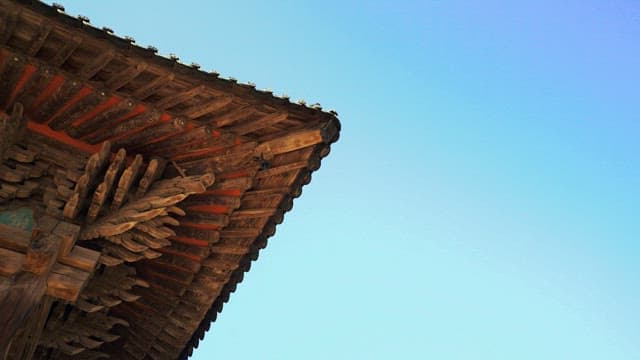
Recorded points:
(482, 202)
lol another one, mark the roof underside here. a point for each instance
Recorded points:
(81, 86)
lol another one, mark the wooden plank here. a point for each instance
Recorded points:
(56, 100)
(12, 129)
(201, 133)
(145, 119)
(262, 122)
(70, 45)
(229, 234)
(40, 320)
(208, 236)
(96, 64)
(281, 169)
(207, 107)
(259, 193)
(10, 175)
(252, 213)
(153, 86)
(195, 149)
(8, 21)
(175, 99)
(232, 116)
(225, 249)
(64, 287)
(13, 238)
(106, 119)
(13, 69)
(10, 262)
(69, 234)
(69, 271)
(119, 80)
(227, 158)
(209, 203)
(81, 258)
(291, 142)
(18, 298)
(33, 88)
(152, 133)
(39, 39)
(41, 254)
(204, 220)
(80, 109)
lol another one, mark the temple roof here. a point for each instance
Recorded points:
(83, 87)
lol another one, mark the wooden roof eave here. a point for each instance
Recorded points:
(163, 66)
(299, 150)
(303, 178)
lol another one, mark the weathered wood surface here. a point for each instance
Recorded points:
(21, 294)
(13, 238)
(12, 128)
(261, 148)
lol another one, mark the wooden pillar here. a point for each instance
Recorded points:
(32, 265)
(18, 298)
(23, 292)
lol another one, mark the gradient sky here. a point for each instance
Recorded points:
(482, 202)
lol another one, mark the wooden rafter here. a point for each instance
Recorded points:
(190, 250)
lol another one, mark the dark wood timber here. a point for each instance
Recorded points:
(135, 190)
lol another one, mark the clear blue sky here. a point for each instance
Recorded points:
(482, 202)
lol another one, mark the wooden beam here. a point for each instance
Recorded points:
(66, 51)
(8, 23)
(232, 116)
(252, 213)
(155, 132)
(13, 69)
(81, 258)
(12, 128)
(21, 294)
(263, 122)
(198, 134)
(68, 234)
(42, 254)
(153, 86)
(10, 262)
(59, 96)
(96, 64)
(207, 107)
(39, 39)
(239, 233)
(119, 80)
(175, 99)
(32, 89)
(36, 326)
(15, 239)
(145, 119)
(282, 169)
(66, 282)
(105, 119)
(80, 109)
(291, 142)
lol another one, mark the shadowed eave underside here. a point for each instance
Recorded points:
(87, 94)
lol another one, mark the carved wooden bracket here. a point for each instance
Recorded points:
(44, 261)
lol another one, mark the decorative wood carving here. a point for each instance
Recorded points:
(150, 203)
